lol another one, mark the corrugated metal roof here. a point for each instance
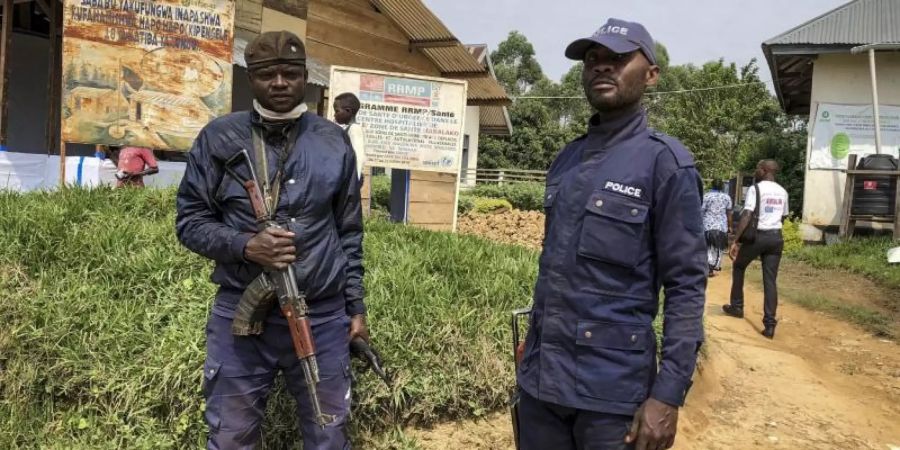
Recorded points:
(319, 72)
(415, 19)
(421, 26)
(857, 22)
(484, 90)
(454, 59)
(494, 120)
(479, 51)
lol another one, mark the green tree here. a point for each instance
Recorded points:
(717, 110)
(515, 65)
(538, 131)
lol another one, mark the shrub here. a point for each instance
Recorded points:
(793, 240)
(466, 203)
(103, 316)
(524, 196)
(491, 205)
(381, 193)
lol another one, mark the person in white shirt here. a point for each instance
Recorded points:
(346, 106)
(771, 209)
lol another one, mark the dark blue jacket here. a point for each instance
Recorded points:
(623, 220)
(319, 202)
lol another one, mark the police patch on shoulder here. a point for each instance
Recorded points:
(621, 188)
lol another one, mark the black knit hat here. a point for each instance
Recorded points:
(275, 47)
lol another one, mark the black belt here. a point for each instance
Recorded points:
(775, 231)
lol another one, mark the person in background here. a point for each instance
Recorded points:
(717, 223)
(133, 163)
(346, 106)
(773, 208)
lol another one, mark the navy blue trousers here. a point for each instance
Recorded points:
(240, 371)
(546, 426)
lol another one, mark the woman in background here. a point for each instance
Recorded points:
(717, 223)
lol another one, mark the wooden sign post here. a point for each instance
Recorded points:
(5, 36)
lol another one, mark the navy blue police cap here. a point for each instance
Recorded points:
(619, 36)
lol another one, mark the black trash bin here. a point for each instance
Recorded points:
(874, 195)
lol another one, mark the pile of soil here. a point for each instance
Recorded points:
(510, 227)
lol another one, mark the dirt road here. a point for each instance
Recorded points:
(821, 384)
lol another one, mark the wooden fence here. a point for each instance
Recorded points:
(502, 176)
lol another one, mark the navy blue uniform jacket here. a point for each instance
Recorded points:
(319, 202)
(623, 221)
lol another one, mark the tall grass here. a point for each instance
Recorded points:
(862, 256)
(103, 314)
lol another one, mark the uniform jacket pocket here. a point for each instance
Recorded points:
(613, 229)
(613, 361)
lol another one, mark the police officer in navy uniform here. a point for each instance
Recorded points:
(311, 167)
(623, 220)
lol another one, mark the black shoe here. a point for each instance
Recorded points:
(769, 332)
(733, 311)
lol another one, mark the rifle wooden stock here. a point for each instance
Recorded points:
(301, 333)
(257, 202)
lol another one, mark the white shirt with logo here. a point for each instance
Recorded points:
(774, 204)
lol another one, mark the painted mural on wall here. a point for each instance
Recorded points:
(145, 73)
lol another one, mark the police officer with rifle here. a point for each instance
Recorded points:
(272, 196)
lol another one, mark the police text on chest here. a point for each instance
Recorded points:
(630, 191)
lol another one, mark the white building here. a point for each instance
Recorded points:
(812, 65)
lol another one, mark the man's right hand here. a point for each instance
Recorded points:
(272, 247)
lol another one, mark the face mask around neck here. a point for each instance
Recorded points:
(275, 116)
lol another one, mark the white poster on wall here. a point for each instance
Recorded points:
(841, 130)
(411, 122)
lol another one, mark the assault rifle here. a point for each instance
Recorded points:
(284, 285)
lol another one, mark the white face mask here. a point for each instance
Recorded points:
(274, 116)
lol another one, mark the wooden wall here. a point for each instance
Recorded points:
(352, 33)
(432, 200)
(296, 8)
(248, 15)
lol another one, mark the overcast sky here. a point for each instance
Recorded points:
(694, 31)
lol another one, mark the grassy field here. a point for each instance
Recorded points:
(861, 256)
(103, 318)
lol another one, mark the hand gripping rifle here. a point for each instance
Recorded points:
(284, 282)
(518, 353)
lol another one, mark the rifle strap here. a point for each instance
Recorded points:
(271, 189)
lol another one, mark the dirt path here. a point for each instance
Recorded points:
(821, 384)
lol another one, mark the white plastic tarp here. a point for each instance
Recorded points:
(27, 172)
(22, 171)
